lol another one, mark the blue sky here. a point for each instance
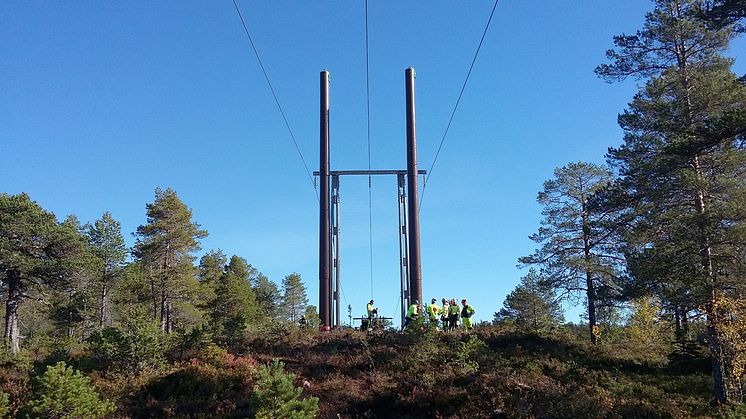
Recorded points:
(102, 102)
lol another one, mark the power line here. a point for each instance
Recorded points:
(274, 95)
(455, 107)
(370, 179)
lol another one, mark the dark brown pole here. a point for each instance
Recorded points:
(324, 286)
(413, 261)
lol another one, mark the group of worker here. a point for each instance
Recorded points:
(448, 316)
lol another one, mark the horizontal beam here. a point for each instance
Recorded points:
(369, 172)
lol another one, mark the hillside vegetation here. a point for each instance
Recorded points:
(493, 371)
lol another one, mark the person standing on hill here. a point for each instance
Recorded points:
(453, 313)
(372, 315)
(372, 310)
(433, 310)
(466, 312)
(444, 314)
(412, 313)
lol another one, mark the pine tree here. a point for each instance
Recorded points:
(70, 300)
(682, 166)
(211, 269)
(294, 297)
(63, 392)
(267, 296)
(105, 237)
(579, 246)
(165, 246)
(35, 253)
(532, 305)
(275, 395)
(234, 306)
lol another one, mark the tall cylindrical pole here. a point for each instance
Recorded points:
(324, 245)
(413, 261)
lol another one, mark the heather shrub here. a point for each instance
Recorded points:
(63, 392)
(215, 383)
(275, 395)
(15, 383)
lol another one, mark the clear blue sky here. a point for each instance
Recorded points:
(102, 102)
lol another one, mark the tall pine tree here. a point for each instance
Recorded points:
(36, 254)
(105, 238)
(164, 246)
(294, 299)
(579, 244)
(682, 167)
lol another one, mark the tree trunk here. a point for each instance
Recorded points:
(164, 314)
(12, 335)
(103, 308)
(591, 295)
(169, 319)
(721, 373)
(590, 289)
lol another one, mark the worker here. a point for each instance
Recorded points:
(412, 313)
(372, 320)
(453, 314)
(444, 314)
(371, 308)
(466, 312)
(433, 310)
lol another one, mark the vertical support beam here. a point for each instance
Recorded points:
(324, 245)
(337, 286)
(402, 198)
(332, 256)
(413, 261)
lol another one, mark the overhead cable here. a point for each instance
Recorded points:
(455, 107)
(274, 95)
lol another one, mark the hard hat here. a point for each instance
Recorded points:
(433, 300)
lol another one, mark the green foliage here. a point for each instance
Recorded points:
(164, 247)
(294, 299)
(234, 306)
(136, 348)
(643, 324)
(580, 249)
(107, 243)
(681, 167)
(532, 305)
(312, 317)
(35, 253)
(4, 404)
(267, 296)
(275, 395)
(63, 392)
(188, 343)
(469, 354)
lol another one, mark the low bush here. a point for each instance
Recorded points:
(275, 395)
(63, 392)
(138, 347)
(215, 383)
